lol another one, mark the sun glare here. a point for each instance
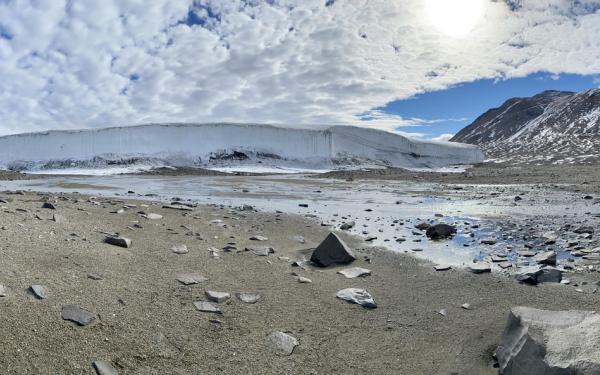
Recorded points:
(455, 18)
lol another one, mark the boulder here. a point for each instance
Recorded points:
(537, 342)
(332, 251)
(440, 231)
(534, 275)
(546, 257)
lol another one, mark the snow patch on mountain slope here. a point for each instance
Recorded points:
(227, 145)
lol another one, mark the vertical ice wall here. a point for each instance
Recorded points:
(184, 144)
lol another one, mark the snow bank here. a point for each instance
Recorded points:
(222, 144)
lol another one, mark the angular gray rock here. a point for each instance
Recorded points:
(39, 291)
(190, 278)
(248, 297)
(283, 343)
(152, 216)
(440, 231)
(358, 296)
(206, 307)
(546, 257)
(354, 272)
(260, 250)
(118, 241)
(479, 267)
(217, 297)
(259, 238)
(332, 251)
(104, 368)
(535, 274)
(78, 315)
(180, 249)
(537, 342)
(49, 206)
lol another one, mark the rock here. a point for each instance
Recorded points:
(58, 218)
(537, 342)
(466, 306)
(104, 368)
(217, 297)
(180, 249)
(190, 278)
(78, 315)
(584, 230)
(517, 198)
(440, 231)
(152, 216)
(3, 291)
(422, 226)
(299, 239)
(358, 296)
(443, 312)
(479, 268)
(283, 343)
(248, 297)
(207, 307)
(442, 268)
(332, 251)
(118, 241)
(94, 276)
(259, 238)
(550, 275)
(488, 241)
(528, 275)
(49, 205)
(546, 257)
(177, 207)
(304, 280)
(355, 272)
(348, 225)
(39, 291)
(260, 250)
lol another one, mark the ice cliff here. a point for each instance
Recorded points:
(211, 144)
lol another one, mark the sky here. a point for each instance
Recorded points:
(424, 68)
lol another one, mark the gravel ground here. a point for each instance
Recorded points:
(147, 323)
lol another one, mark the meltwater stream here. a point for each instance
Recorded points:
(383, 212)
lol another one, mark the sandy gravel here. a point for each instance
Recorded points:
(147, 323)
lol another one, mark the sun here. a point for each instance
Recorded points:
(455, 18)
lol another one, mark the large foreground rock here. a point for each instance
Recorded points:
(537, 342)
(332, 251)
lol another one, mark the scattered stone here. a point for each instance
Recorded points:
(190, 278)
(3, 291)
(466, 306)
(260, 250)
(347, 226)
(49, 205)
(304, 280)
(180, 249)
(217, 297)
(177, 207)
(440, 231)
(39, 291)
(332, 251)
(207, 307)
(422, 226)
(118, 241)
(94, 276)
(537, 342)
(442, 268)
(479, 268)
(248, 297)
(259, 238)
(358, 296)
(354, 272)
(488, 241)
(283, 343)
(152, 216)
(584, 230)
(78, 315)
(546, 257)
(104, 368)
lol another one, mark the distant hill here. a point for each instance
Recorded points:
(551, 127)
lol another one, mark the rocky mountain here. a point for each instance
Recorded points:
(552, 127)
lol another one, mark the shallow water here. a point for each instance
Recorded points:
(382, 209)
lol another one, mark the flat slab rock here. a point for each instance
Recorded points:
(260, 250)
(358, 296)
(248, 297)
(332, 251)
(104, 368)
(207, 307)
(354, 272)
(283, 343)
(118, 241)
(190, 278)
(537, 342)
(78, 315)
(39, 291)
(217, 297)
(479, 268)
(180, 249)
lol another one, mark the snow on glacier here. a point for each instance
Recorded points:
(220, 145)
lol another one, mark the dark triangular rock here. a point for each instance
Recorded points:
(332, 251)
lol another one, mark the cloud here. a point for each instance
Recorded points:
(443, 137)
(84, 63)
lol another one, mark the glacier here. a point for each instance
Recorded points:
(219, 144)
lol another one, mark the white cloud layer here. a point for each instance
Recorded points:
(88, 63)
